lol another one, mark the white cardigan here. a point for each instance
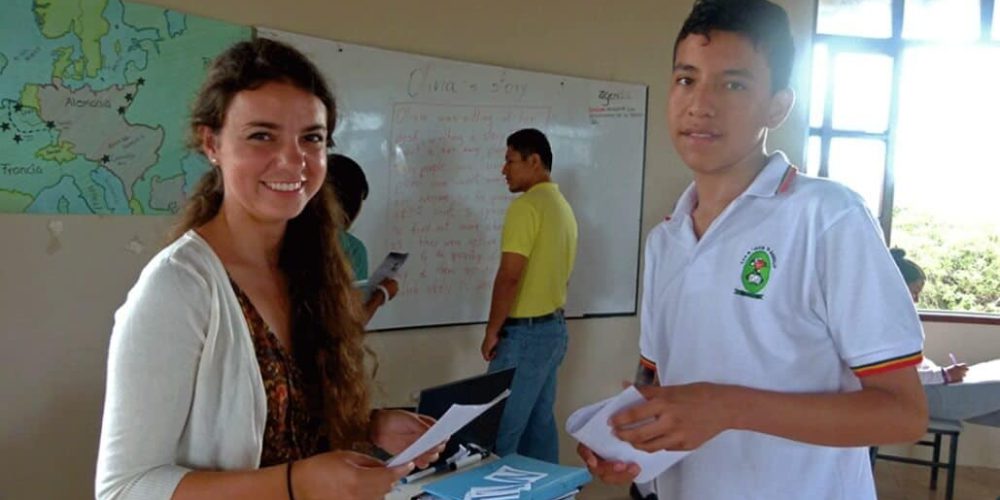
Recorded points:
(184, 389)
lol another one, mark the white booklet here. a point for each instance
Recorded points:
(389, 268)
(452, 421)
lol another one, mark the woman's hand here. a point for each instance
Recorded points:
(395, 430)
(344, 475)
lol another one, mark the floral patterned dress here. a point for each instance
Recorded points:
(293, 430)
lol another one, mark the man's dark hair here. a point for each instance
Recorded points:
(763, 22)
(529, 141)
(348, 182)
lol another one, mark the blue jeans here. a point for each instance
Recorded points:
(528, 426)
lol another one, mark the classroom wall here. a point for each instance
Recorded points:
(62, 277)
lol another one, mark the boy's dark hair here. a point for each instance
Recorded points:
(763, 22)
(529, 141)
(349, 183)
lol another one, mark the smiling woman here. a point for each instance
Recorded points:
(238, 353)
(271, 152)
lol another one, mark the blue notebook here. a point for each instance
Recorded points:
(513, 476)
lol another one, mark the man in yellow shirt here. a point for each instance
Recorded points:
(526, 327)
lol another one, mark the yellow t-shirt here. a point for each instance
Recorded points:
(540, 226)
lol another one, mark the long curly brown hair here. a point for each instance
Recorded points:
(326, 322)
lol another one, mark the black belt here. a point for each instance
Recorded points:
(545, 318)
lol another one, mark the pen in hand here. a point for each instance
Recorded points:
(952, 356)
(420, 474)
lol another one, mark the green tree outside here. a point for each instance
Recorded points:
(961, 260)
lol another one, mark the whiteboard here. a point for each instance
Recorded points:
(431, 135)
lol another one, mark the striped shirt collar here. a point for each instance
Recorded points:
(775, 178)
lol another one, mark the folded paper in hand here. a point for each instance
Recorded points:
(452, 421)
(589, 425)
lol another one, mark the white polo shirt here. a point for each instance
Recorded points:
(791, 289)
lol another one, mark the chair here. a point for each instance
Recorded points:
(938, 429)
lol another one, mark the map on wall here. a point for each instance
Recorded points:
(94, 102)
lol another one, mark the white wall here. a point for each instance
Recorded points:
(58, 291)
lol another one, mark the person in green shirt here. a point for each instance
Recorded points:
(351, 188)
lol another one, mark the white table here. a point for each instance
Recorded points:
(976, 399)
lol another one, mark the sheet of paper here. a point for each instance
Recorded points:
(389, 268)
(508, 474)
(589, 425)
(452, 421)
(988, 371)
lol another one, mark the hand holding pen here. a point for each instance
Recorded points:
(956, 372)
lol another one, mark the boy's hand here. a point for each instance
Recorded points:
(391, 286)
(607, 471)
(680, 417)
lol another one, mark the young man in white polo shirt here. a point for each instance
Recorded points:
(779, 335)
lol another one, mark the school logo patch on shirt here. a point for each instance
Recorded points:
(757, 266)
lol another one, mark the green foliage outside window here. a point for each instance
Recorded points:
(962, 261)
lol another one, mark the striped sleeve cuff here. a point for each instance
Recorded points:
(888, 365)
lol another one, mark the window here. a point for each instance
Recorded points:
(905, 110)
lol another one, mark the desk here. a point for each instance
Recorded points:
(975, 400)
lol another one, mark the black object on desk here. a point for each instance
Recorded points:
(482, 432)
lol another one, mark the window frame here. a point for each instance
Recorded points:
(892, 47)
